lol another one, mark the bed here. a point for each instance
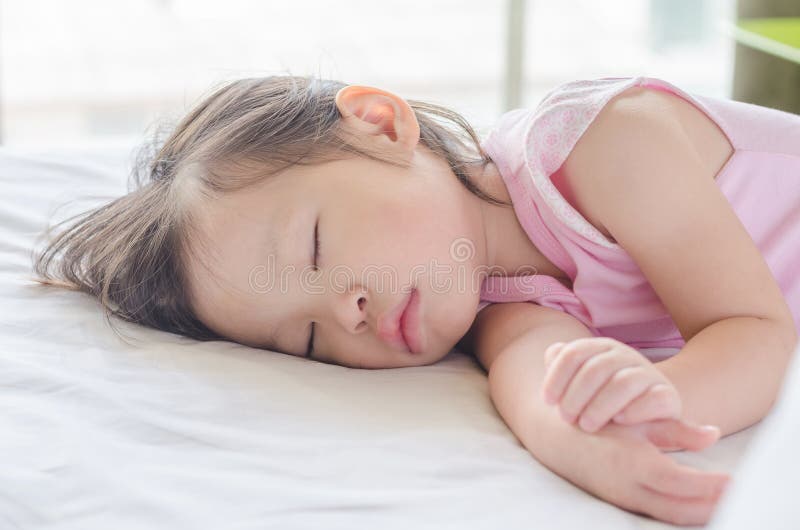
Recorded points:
(153, 430)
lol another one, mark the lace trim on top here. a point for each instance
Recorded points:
(557, 124)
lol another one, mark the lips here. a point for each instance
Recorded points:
(399, 326)
(409, 323)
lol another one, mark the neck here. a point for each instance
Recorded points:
(494, 218)
(509, 250)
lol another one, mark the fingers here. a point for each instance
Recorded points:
(680, 494)
(622, 387)
(564, 361)
(552, 351)
(673, 434)
(668, 477)
(676, 510)
(659, 401)
(593, 379)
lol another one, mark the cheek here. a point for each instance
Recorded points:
(449, 316)
(399, 231)
(431, 249)
(422, 243)
(413, 234)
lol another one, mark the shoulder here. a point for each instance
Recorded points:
(631, 116)
(641, 169)
(620, 143)
(581, 133)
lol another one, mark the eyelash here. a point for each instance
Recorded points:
(316, 246)
(316, 257)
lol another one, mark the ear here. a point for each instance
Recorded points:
(377, 115)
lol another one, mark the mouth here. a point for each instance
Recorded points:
(400, 326)
(409, 323)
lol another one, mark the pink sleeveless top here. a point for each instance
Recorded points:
(609, 294)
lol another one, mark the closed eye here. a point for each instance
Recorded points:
(310, 351)
(316, 245)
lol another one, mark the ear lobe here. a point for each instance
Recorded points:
(375, 112)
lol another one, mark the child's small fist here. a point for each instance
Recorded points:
(599, 379)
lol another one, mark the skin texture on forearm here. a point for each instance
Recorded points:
(623, 465)
(729, 373)
(515, 381)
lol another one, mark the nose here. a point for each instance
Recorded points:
(348, 310)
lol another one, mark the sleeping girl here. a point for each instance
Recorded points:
(347, 225)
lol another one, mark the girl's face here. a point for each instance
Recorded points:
(383, 232)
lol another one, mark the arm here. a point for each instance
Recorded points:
(510, 340)
(729, 374)
(622, 465)
(637, 172)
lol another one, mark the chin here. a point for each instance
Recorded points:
(425, 360)
(438, 356)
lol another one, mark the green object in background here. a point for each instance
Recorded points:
(778, 36)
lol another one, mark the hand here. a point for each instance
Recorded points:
(624, 465)
(599, 379)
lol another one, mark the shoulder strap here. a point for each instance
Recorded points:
(559, 121)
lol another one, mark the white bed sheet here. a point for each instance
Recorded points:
(768, 477)
(171, 433)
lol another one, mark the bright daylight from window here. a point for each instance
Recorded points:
(94, 71)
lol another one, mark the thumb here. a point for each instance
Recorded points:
(676, 435)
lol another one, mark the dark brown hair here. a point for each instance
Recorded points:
(131, 253)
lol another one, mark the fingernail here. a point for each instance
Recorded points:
(709, 428)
